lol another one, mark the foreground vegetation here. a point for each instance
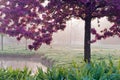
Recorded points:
(94, 71)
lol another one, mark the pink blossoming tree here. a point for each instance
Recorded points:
(32, 20)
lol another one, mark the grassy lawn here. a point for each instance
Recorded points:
(16, 50)
(66, 55)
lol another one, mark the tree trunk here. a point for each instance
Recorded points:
(26, 46)
(2, 42)
(87, 38)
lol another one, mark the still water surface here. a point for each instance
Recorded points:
(31, 65)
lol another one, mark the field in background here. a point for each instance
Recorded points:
(66, 55)
(63, 55)
(16, 50)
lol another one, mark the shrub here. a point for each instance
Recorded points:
(94, 71)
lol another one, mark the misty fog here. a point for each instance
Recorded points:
(73, 35)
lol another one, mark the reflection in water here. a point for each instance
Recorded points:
(21, 64)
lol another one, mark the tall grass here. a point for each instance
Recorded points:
(94, 71)
(10, 74)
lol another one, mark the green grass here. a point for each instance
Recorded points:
(65, 55)
(16, 50)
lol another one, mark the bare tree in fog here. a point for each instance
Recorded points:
(2, 42)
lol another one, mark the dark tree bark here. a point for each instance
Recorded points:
(87, 38)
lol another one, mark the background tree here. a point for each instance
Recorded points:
(30, 19)
(2, 42)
